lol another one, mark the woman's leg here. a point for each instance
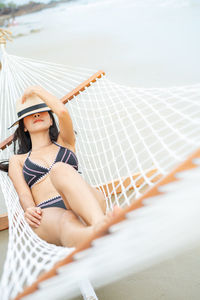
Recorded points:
(98, 194)
(77, 193)
(62, 227)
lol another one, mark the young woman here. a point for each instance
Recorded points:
(59, 205)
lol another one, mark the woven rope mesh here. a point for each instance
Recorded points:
(126, 139)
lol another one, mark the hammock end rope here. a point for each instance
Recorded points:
(5, 35)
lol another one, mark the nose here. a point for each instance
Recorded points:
(36, 115)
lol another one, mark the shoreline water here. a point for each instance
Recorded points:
(136, 46)
(9, 13)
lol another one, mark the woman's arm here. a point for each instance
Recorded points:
(32, 213)
(65, 122)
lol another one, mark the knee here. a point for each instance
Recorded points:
(61, 168)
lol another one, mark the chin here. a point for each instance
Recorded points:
(39, 128)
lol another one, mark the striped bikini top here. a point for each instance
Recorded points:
(34, 172)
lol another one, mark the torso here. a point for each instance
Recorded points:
(36, 167)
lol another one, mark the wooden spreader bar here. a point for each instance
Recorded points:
(3, 222)
(125, 182)
(82, 86)
(6, 142)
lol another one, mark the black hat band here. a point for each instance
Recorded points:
(31, 108)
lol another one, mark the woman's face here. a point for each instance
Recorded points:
(37, 122)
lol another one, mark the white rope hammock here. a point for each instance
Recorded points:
(127, 138)
(148, 237)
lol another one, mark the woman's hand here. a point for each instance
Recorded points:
(65, 122)
(31, 91)
(33, 216)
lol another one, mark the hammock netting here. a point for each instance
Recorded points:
(127, 138)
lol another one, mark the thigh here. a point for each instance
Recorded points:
(58, 174)
(51, 222)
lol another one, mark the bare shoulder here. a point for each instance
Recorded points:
(17, 159)
(14, 159)
(16, 162)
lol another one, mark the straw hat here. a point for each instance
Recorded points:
(32, 105)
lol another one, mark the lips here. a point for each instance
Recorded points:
(39, 120)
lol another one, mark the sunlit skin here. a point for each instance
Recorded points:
(43, 119)
(86, 206)
(38, 123)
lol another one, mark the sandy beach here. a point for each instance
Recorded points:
(136, 44)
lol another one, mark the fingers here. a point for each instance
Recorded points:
(33, 216)
(27, 93)
(32, 221)
(117, 210)
(30, 91)
(32, 224)
(23, 99)
(34, 211)
(36, 215)
(109, 213)
(39, 210)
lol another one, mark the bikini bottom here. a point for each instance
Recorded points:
(53, 202)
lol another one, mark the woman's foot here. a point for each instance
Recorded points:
(116, 210)
(102, 225)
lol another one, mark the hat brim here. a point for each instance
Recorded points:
(30, 113)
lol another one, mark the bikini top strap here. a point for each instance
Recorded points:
(56, 144)
(29, 153)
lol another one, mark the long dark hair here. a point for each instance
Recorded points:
(22, 140)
